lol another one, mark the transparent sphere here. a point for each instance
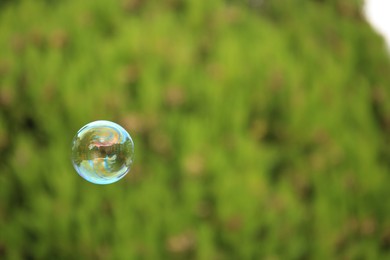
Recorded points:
(102, 152)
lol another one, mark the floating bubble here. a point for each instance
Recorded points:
(102, 152)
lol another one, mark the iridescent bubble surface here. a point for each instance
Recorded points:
(102, 152)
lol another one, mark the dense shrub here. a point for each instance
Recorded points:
(261, 129)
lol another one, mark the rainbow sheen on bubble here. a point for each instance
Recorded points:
(102, 152)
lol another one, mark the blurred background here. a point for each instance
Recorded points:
(261, 129)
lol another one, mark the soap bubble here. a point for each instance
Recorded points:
(102, 152)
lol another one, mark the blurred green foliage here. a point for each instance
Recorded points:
(261, 130)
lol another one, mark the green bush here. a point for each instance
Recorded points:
(261, 130)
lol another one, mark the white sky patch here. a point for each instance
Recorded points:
(378, 15)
